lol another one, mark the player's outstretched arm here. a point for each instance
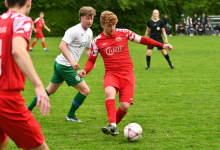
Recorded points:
(64, 51)
(46, 28)
(151, 42)
(23, 60)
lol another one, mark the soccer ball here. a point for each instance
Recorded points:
(133, 132)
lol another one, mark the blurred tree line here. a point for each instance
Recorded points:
(132, 14)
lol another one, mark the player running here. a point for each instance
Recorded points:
(39, 34)
(17, 122)
(75, 40)
(112, 44)
(154, 26)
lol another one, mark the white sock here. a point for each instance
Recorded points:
(44, 48)
(114, 124)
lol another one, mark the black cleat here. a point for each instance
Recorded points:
(110, 130)
(171, 66)
(147, 68)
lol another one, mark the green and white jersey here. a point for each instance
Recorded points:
(77, 39)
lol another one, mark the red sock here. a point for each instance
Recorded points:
(120, 114)
(33, 44)
(111, 110)
(43, 44)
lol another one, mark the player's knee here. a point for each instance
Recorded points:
(85, 91)
(108, 94)
(124, 107)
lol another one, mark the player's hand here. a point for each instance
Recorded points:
(166, 41)
(168, 46)
(81, 73)
(43, 99)
(35, 30)
(75, 65)
(48, 30)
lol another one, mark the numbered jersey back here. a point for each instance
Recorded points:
(12, 24)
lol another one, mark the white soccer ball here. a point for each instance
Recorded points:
(133, 132)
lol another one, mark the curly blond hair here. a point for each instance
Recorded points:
(108, 17)
(86, 10)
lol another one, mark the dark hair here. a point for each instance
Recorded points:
(12, 3)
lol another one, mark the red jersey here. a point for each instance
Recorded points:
(12, 24)
(39, 23)
(114, 50)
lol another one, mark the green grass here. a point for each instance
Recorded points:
(177, 109)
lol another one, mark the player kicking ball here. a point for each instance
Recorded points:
(39, 34)
(112, 44)
(75, 40)
(17, 122)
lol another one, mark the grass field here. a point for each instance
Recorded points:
(177, 109)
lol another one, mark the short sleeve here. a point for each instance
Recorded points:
(22, 26)
(36, 20)
(162, 24)
(43, 21)
(69, 36)
(148, 24)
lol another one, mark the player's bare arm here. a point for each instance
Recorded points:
(46, 28)
(64, 51)
(147, 31)
(25, 64)
(165, 35)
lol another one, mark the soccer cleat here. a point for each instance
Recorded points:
(171, 66)
(147, 68)
(110, 130)
(72, 118)
(46, 50)
(30, 49)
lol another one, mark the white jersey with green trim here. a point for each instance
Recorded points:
(77, 39)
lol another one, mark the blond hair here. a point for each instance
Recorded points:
(86, 10)
(108, 17)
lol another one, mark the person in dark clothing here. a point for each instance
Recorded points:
(195, 21)
(203, 19)
(180, 29)
(217, 29)
(166, 20)
(191, 30)
(201, 30)
(156, 28)
(168, 30)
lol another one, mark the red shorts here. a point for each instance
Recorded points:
(124, 83)
(39, 34)
(18, 122)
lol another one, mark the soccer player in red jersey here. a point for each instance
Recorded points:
(112, 44)
(17, 122)
(39, 23)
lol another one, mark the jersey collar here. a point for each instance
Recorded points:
(156, 20)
